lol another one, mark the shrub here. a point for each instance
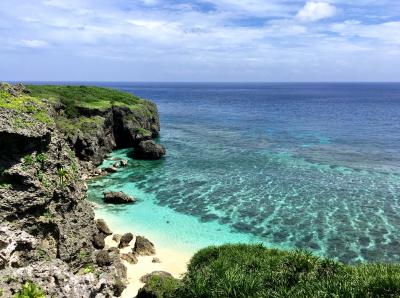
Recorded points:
(30, 290)
(255, 271)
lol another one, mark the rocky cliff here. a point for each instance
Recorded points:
(47, 230)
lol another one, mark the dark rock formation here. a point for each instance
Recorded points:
(125, 240)
(149, 150)
(103, 258)
(98, 241)
(143, 247)
(103, 227)
(156, 260)
(117, 198)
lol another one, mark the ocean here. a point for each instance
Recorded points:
(290, 165)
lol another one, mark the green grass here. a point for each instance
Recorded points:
(85, 96)
(163, 287)
(255, 271)
(25, 104)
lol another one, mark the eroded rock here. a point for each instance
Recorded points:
(117, 198)
(149, 150)
(143, 247)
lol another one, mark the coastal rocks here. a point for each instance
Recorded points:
(125, 240)
(116, 238)
(143, 247)
(123, 163)
(103, 227)
(98, 241)
(117, 198)
(111, 170)
(149, 150)
(156, 260)
(103, 258)
(131, 258)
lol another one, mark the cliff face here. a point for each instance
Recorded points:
(47, 228)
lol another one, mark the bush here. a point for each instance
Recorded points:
(30, 290)
(255, 271)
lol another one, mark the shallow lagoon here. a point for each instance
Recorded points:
(310, 166)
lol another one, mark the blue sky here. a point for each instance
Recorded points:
(200, 40)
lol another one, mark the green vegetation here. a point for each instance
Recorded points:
(163, 287)
(84, 96)
(30, 290)
(62, 175)
(255, 271)
(5, 185)
(85, 124)
(30, 105)
(88, 269)
(28, 160)
(143, 132)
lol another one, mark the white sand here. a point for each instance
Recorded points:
(172, 261)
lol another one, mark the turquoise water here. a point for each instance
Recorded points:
(310, 166)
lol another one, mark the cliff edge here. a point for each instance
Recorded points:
(49, 137)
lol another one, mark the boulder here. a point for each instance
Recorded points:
(156, 260)
(149, 150)
(117, 238)
(143, 247)
(125, 240)
(102, 227)
(111, 170)
(116, 164)
(130, 258)
(117, 198)
(103, 258)
(98, 241)
(123, 163)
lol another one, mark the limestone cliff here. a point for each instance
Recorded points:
(47, 230)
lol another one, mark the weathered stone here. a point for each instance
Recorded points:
(103, 258)
(130, 258)
(149, 150)
(123, 163)
(117, 198)
(111, 170)
(103, 227)
(98, 241)
(143, 247)
(156, 260)
(116, 238)
(125, 240)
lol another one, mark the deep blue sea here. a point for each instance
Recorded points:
(305, 166)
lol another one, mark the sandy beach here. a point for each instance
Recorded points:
(172, 261)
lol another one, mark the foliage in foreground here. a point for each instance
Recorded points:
(255, 271)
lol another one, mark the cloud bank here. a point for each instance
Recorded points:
(200, 40)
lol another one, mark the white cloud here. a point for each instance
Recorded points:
(315, 11)
(33, 43)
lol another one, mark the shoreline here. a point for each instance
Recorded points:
(172, 260)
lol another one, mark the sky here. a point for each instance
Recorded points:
(200, 40)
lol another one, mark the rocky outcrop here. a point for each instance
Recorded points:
(143, 247)
(125, 240)
(118, 127)
(149, 150)
(47, 229)
(103, 227)
(117, 198)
